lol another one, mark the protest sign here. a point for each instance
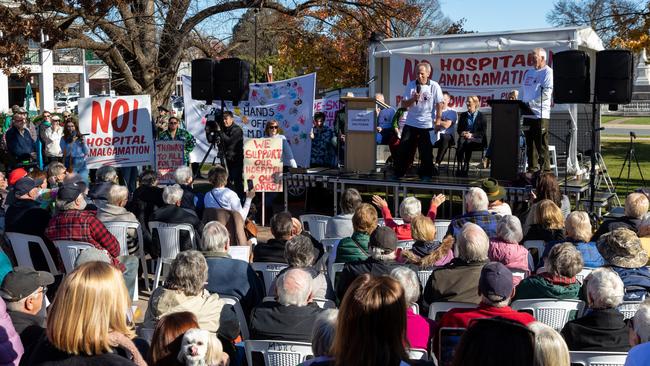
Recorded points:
(328, 105)
(263, 163)
(169, 156)
(117, 130)
(290, 102)
(489, 75)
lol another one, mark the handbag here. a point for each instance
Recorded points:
(250, 229)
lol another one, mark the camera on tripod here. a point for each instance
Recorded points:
(213, 123)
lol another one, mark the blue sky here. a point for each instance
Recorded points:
(500, 15)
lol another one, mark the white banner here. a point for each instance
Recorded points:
(118, 130)
(290, 102)
(328, 105)
(490, 75)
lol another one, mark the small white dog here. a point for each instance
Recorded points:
(201, 348)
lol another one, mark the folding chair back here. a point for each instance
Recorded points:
(239, 311)
(119, 229)
(336, 268)
(315, 224)
(438, 309)
(424, 275)
(583, 274)
(441, 229)
(269, 271)
(278, 353)
(169, 239)
(69, 251)
(552, 312)
(629, 308)
(20, 244)
(418, 354)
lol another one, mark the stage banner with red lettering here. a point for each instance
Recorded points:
(489, 75)
(263, 163)
(328, 105)
(118, 130)
(169, 157)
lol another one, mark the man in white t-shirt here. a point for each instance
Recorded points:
(537, 89)
(420, 97)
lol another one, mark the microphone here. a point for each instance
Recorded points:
(418, 88)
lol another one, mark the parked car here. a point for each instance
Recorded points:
(66, 103)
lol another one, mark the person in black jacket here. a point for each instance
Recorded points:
(472, 134)
(146, 199)
(172, 213)
(105, 178)
(273, 249)
(636, 205)
(232, 139)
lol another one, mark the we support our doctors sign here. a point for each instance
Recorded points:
(118, 130)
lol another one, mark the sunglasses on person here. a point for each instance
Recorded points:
(273, 127)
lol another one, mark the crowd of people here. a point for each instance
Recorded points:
(382, 302)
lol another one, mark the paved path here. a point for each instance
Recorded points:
(618, 129)
(618, 121)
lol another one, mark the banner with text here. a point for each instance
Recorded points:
(118, 130)
(490, 75)
(290, 102)
(263, 163)
(169, 157)
(328, 105)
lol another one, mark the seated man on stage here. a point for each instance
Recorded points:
(472, 134)
(442, 135)
(385, 131)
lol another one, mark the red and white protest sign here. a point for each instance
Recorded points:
(489, 75)
(263, 163)
(169, 157)
(118, 130)
(328, 105)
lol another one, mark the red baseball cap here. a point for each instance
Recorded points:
(15, 175)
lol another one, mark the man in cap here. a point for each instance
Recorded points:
(496, 195)
(624, 254)
(23, 290)
(72, 222)
(26, 216)
(495, 288)
(381, 260)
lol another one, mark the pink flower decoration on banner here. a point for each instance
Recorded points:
(301, 120)
(300, 91)
(282, 108)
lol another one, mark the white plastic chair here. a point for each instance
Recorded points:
(591, 358)
(580, 277)
(239, 311)
(405, 244)
(418, 354)
(20, 245)
(441, 229)
(553, 159)
(439, 308)
(241, 252)
(169, 238)
(397, 220)
(69, 251)
(336, 268)
(629, 308)
(518, 273)
(119, 230)
(329, 244)
(278, 353)
(315, 224)
(552, 312)
(424, 275)
(269, 271)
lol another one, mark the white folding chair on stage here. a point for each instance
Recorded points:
(278, 353)
(239, 311)
(334, 269)
(405, 244)
(119, 230)
(269, 271)
(441, 229)
(592, 358)
(20, 244)
(418, 354)
(69, 251)
(315, 224)
(169, 239)
(552, 312)
(552, 157)
(438, 309)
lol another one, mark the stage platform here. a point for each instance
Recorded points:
(337, 181)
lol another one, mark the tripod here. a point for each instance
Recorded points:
(215, 141)
(628, 161)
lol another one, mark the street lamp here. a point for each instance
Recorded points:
(255, 44)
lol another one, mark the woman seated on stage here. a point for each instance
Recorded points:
(408, 210)
(472, 134)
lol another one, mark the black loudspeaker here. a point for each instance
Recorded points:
(614, 80)
(203, 70)
(231, 81)
(571, 79)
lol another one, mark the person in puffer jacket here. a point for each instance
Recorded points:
(11, 349)
(505, 247)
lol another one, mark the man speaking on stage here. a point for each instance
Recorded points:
(420, 97)
(536, 91)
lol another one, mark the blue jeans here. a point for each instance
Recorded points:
(130, 273)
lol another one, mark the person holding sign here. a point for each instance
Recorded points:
(175, 133)
(272, 130)
(74, 149)
(421, 96)
(323, 143)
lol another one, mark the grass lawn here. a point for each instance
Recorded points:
(631, 121)
(614, 154)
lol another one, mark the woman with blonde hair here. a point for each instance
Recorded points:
(426, 251)
(472, 134)
(550, 348)
(87, 322)
(577, 227)
(548, 223)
